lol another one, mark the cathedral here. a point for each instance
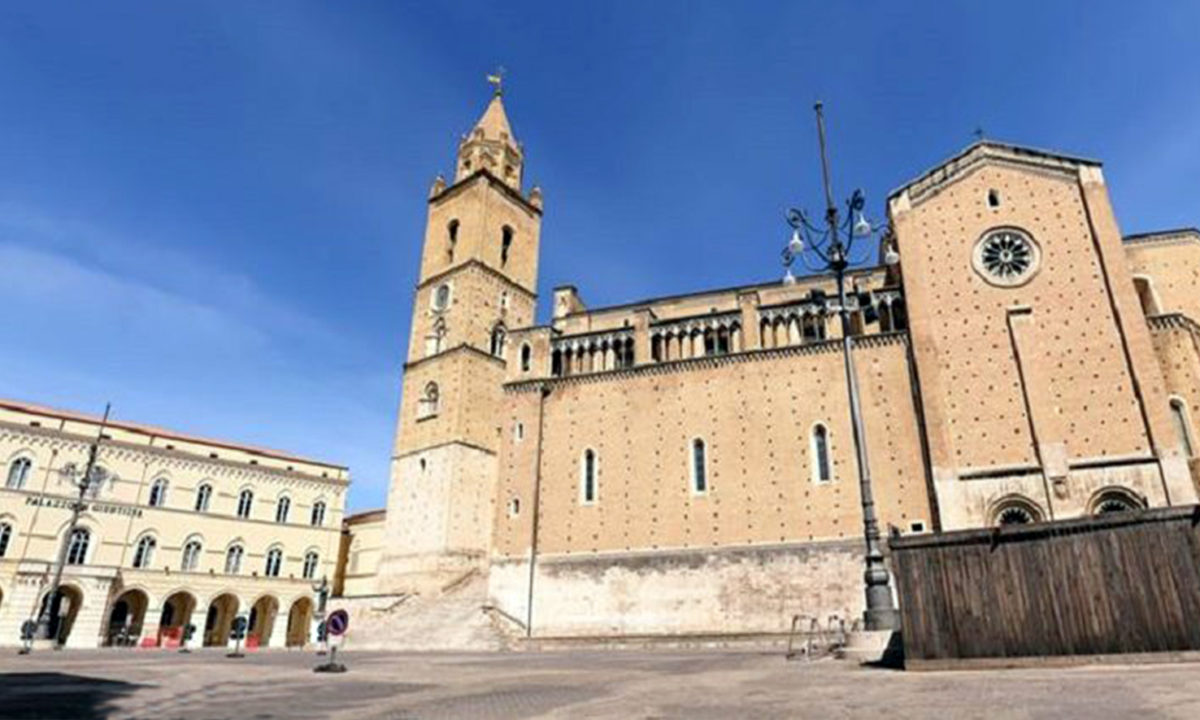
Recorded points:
(685, 465)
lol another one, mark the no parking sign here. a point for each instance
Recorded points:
(338, 623)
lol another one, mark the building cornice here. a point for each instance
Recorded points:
(1166, 237)
(475, 263)
(167, 434)
(802, 281)
(81, 442)
(452, 190)
(460, 348)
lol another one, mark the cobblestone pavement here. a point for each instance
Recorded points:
(568, 684)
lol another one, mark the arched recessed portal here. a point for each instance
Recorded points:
(63, 610)
(262, 621)
(126, 618)
(176, 613)
(219, 619)
(299, 622)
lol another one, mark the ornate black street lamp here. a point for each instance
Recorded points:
(84, 479)
(832, 254)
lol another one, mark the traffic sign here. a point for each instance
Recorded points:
(338, 622)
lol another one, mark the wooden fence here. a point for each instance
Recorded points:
(1117, 583)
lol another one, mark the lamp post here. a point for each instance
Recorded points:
(84, 480)
(833, 254)
(322, 591)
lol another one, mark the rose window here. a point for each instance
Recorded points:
(1006, 257)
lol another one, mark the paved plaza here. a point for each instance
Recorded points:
(577, 684)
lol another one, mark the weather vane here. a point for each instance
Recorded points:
(497, 79)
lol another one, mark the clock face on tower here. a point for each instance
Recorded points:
(1006, 257)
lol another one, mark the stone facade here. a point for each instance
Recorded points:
(184, 530)
(685, 465)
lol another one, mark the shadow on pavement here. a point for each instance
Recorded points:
(48, 696)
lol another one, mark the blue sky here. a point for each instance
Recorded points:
(210, 213)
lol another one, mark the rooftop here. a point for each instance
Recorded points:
(155, 431)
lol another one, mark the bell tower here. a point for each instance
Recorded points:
(478, 278)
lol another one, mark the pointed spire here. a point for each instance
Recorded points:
(494, 122)
(491, 145)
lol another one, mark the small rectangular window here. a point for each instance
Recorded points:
(699, 471)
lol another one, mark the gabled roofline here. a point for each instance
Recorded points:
(1020, 151)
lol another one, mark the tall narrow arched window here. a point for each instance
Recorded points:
(427, 406)
(317, 518)
(6, 532)
(1183, 427)
(77, 546)
(699, 467)
(587, 477)
(498, 338)
(203, 497)
(451, 240)
(283, 507)
(310, 564)
(274, 562)
(233, 559)
(143, 554)
(191, 556)
(526, 357)
(245, 503)
(18, 473)
(158, 493)
(822, 470)
(506, 239)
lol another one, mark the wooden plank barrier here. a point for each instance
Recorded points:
(1112, 584)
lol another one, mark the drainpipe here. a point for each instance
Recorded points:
(544, 392)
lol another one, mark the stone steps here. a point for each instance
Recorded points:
(453, 620)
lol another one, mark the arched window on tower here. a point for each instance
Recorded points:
(317, 518)
(1182, 426)
(451, 240)
(435, 342)
(822, 469)
(506, 238)
(427, 406)
(499, 336)
(526, 357)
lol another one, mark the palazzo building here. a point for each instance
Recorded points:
(684, 464)
(182, 530)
